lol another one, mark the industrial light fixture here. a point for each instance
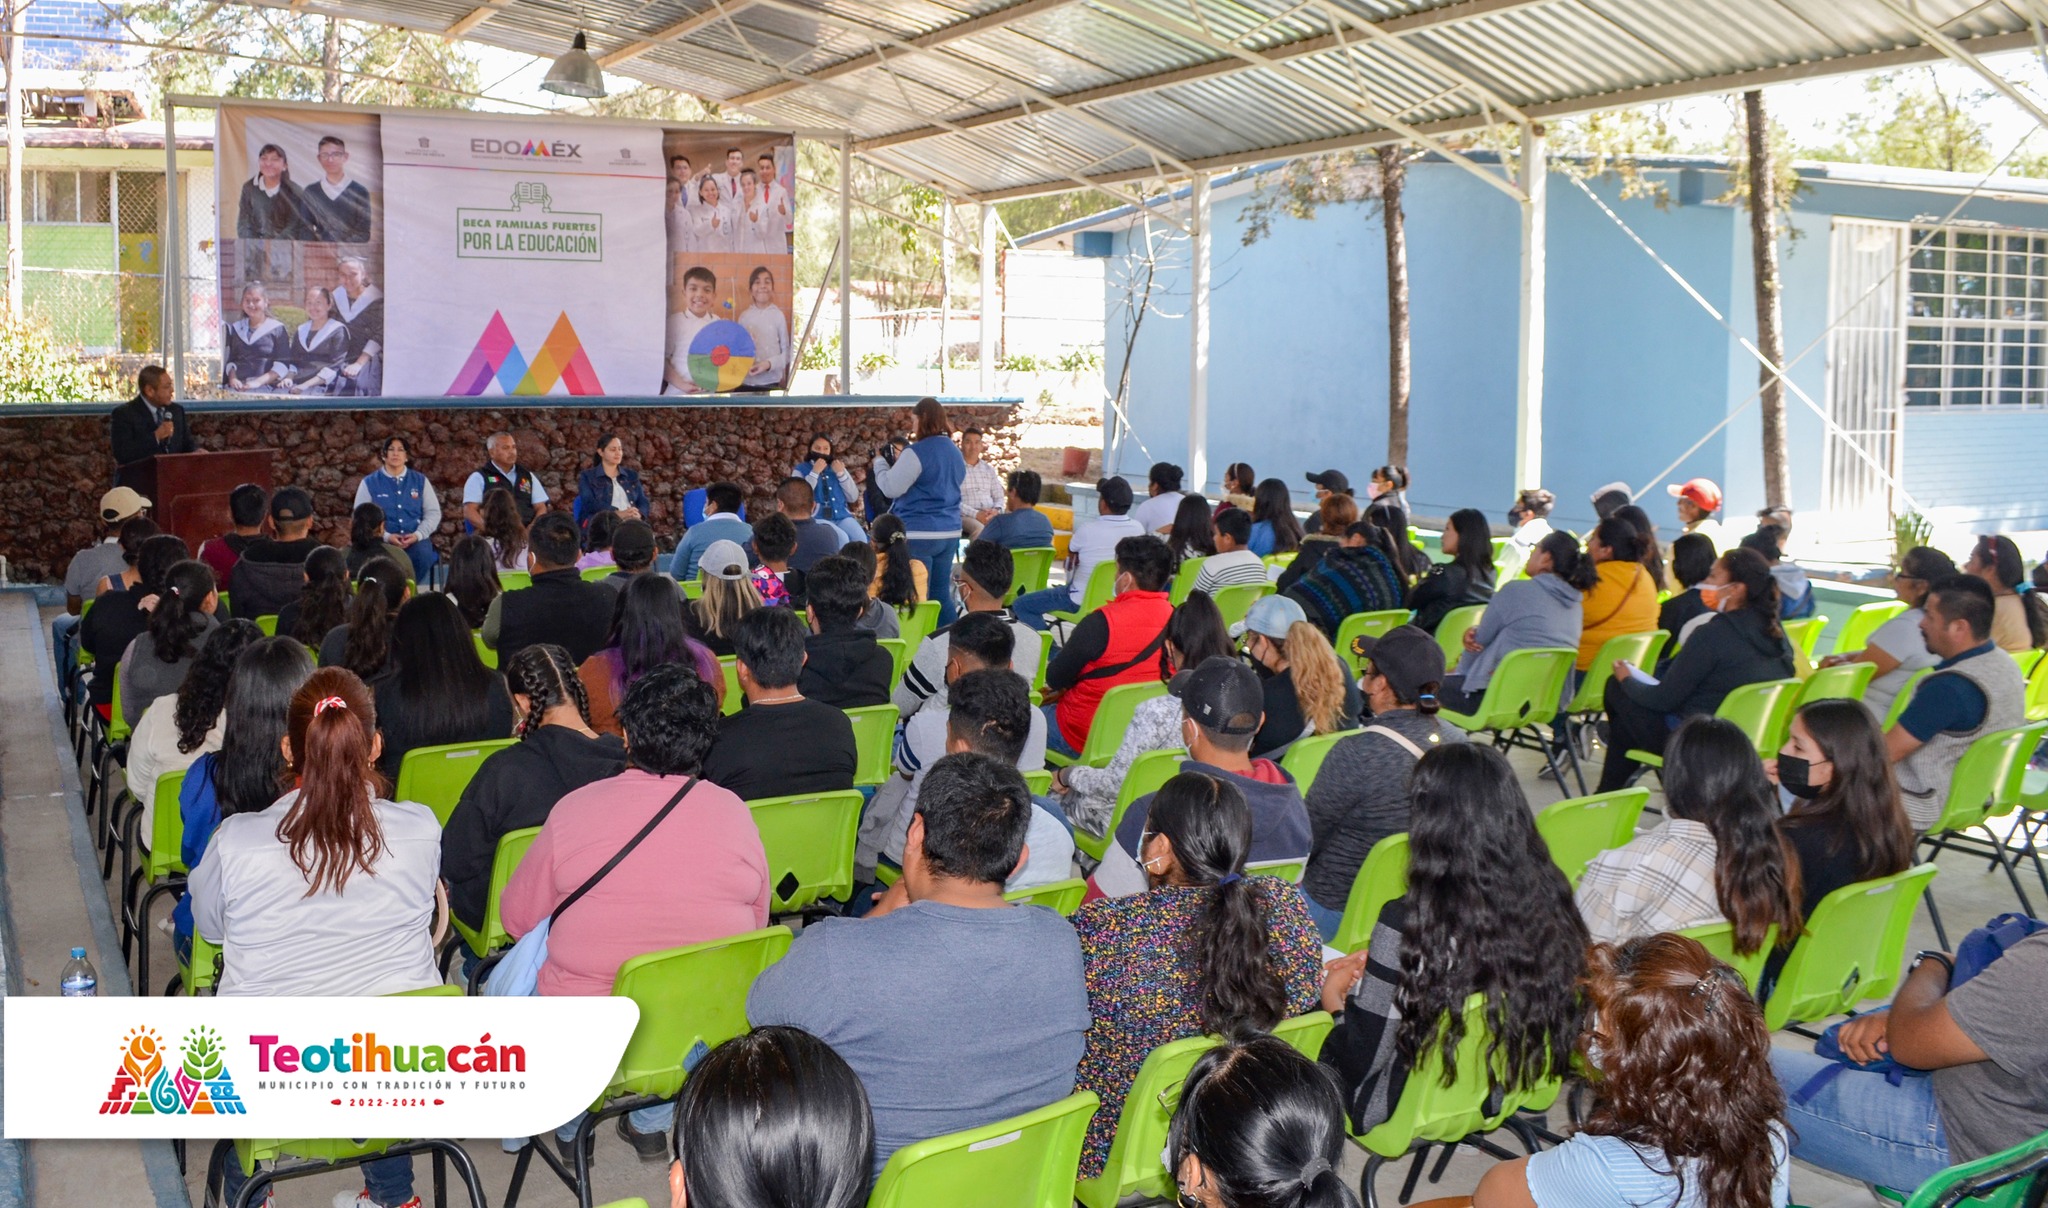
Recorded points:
(576, 73)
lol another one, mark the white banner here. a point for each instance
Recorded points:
(524, 256)
(124, 1068)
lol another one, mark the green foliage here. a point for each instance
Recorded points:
(1040, 213)
(1020, 362)
(1909, 530)
(874, 362)
(36, 368)
(1081, 360)
(821, 353)
(1609, 144)
(203, 1055)
(1915, 121)
(1302, 187)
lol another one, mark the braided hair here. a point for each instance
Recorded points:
(545, 675)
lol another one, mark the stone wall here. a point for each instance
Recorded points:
(53, 469)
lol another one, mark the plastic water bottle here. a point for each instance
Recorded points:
(80, 979)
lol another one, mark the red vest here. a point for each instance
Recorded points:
(1135, 619)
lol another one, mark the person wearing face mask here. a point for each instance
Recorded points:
(1529, 518)
(1307, 690)
(1741, 644)
(1116, 644)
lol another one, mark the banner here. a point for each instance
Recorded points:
(518, 255)
(131, 1068)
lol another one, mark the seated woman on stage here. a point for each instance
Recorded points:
(252, 345)
(317, 349)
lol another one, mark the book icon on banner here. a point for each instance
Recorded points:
(721, 355)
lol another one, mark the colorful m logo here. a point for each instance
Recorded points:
(561, 359)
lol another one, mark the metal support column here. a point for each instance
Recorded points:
(15, 155)
(1198, 326)
(991, 308)
(1529, 376)
(846, 264)
(175, 295)
(946, 295)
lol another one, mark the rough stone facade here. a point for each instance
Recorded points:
(53, 469)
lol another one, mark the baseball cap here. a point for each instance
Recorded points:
(1271, 616)
(633, 542)
(291, 503)
(722, 560)
(1610, 497)
(1221, 694)
(1701, 491)
(1332, 480)
(121, 503)
(1408, 657)
(1114, 492)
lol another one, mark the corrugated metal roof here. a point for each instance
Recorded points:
(1007, 97)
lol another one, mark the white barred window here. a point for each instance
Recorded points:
(1977, 325)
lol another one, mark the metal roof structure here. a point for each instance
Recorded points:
(995, 99)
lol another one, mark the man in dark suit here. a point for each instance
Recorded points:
(151, 423)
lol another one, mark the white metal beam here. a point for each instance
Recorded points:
(991, 307)
(1198, 331)
(1933, 36)
(475, 17)
(710, 15)
(1529, 363)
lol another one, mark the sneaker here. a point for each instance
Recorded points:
(652, 1147)
(566, 1147)
(361, 1199)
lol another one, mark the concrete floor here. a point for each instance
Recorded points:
(50, 914)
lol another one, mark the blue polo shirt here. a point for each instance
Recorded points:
(1947, 702)
(721, 527)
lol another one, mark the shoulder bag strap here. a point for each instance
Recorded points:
(623, 852)
(1623, 603)
(1150, 651)
(1397, 736)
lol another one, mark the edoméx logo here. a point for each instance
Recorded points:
(313, 1067)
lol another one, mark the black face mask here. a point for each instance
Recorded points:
(1515, 518)
(1794, 774)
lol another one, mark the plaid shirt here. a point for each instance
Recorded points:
(1662, 880)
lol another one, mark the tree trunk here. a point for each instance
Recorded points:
(1770, 326)
(330, 58)
(1393, 177)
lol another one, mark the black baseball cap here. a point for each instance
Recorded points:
(1408, 657)
(291, 503)
(1221, 694)
(1332, 480)
(1114, 492)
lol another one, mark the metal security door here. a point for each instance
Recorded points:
(1865, 375)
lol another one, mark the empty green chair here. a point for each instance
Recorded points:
(1719, 941)
(1382, 878)
(1525, 692)
(1843, 681)
(488, 655)
(874, 736)
(1147, 772)
(917, 624)
(1062, 896)
(1236, 600)
(809, 840)
(1864, 621)
(1184, 580)
(492, 936)
(1112, 718)
(1853, 949)
(899, 656)
(1100, 588)
(1451, 631)
(1805, 634)
(1365, 625)
(1304, 757)
(1986, 784)
(1030, 570)
(1579, 828)
(1763, 710)
(1026, 1161)
(436, 776)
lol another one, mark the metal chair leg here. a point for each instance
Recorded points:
(1366, 1194)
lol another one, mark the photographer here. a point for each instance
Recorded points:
(832, 486)
(885, 457)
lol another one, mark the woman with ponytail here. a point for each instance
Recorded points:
(179, 728)
(1258, 1126)
(1546, 607)
(362, 643)
(324, 603)
(900, 579)
(1307, 690)
(366, 540)
(517, 787)
(179, 619)
(332, 889)
(2019, 615)
(1205, 949)
(437, 691)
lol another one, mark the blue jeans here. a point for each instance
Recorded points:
(1326, 919)
(423, 557)
(644, 1119)
(388, 1180)
(851, 527)
(1862, 1127)
(1032, 606)
(1054, 740)
(937, 554)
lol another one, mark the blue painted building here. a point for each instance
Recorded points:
(1920, 308)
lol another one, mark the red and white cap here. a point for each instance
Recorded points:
(1702, 491)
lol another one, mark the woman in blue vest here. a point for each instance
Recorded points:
(412, 513)
(610, 483)
(925, 485)
(832, 486)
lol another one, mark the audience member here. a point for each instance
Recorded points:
(1896, 647)
(1220, 706)
(505, 531)
(598, 534)
(557, 753)
(1258, 1125)
(900, 581)
(133, 532)
(2019, 618)
(1653, 553)
(559, 607)
(180, 727)
(727, 595)
(1465, 580)
(647, 631)
(724, 520)
(1335, 514)
(1233, 564)
(472, 579)
(877, 618)
(247, 505)
(984, 579)
(1308, 690)
(1094, 542)
(957, 956)
(1795, 590)
(815, 538)
(1328, 484)
(1192, 533)
(832, 486)
(1163, 497)
(1529, 519)
(1698, 500)
(633, 552)
(924, 486)
(1116, 644)
(324, 602)
(362, 642)
(1239, 481)
(1683, 1113)
(1274, 527)
(270, 573)
(981, 488)
(1544, 608)
(843, 665)
(1021, 525)
(1974, 690)
(1359, 575)
(608, 484)
(155, 663)
(501, 471)
(778, 585)
(118, 619)
(1207, 949)
(1717, 855)
(412, 512)
(366, 540)
(1387, 488)
(1361, 794)
(437, 690)
(1623, 597)
(1487, 912)
(780, 744)
(106, 560)
(773, 1117)
(1741, 644)
(1611, 499)
(1692, 560)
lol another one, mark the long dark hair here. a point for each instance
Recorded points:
(1210, 828)
(892, 552)
(1272, 503)
(1267, 1124)
(443, 687)
(205, 690)
(472, 578)
(1621, 538)
(1749, 568)
(1712, 776)
(546, 676)
(249, 772)
(648, 632)
(1475, 545)
(366, 529)
(1488, 913)
(1653, 554)
(1684, 1071)
(1193, 534)
(332, 828)
(775, 1117)
(597, 450)
(2002, 560)
(380, 589)
(1392, 520)
(1196, 629)
(930, 415)
(324, 603)
(1568, 561)
(502, 525)
(1860, 804)
(599, 531)
(180, 613)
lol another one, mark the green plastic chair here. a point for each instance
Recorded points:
(268, 624)
(1101, 587)
(1237, 599)
(1864, 621)
(597, 574)
(1525, 692)
(734, 696)
(1450, 633)
(874, 733)
(1133, 1167)
(1304, 757)
(436, 776)
(1719, 941)
(1112, 718)
(635, 1202)
(2027, 660)
(1853, 949)
(1763, 710)
(1062, 896)
(162, 870)
(1844, 681)
(1804, 634)
(1639, 649)
(1044, 661)
(809, 839)
(203, 971)
(1381, 879)
(1030, 570)
(1147, 772)
(2037, 693)
(1987, 783)
(899, 657)
(1278, 562)
(1580, 828)
(514, 580)
(484, 652)
(492, 936)
(693, 589)
(1365, 624)
(1287, 870)
(1905, 697)
(1184, 580)
(1039, 781)
(1026, 1161)
(2004, 1180)
(916, 625)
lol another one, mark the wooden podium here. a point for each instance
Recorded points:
(190, 490)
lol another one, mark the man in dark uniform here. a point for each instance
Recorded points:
(151, 422)
(503, 471)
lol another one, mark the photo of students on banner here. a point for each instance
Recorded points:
(729, 215)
